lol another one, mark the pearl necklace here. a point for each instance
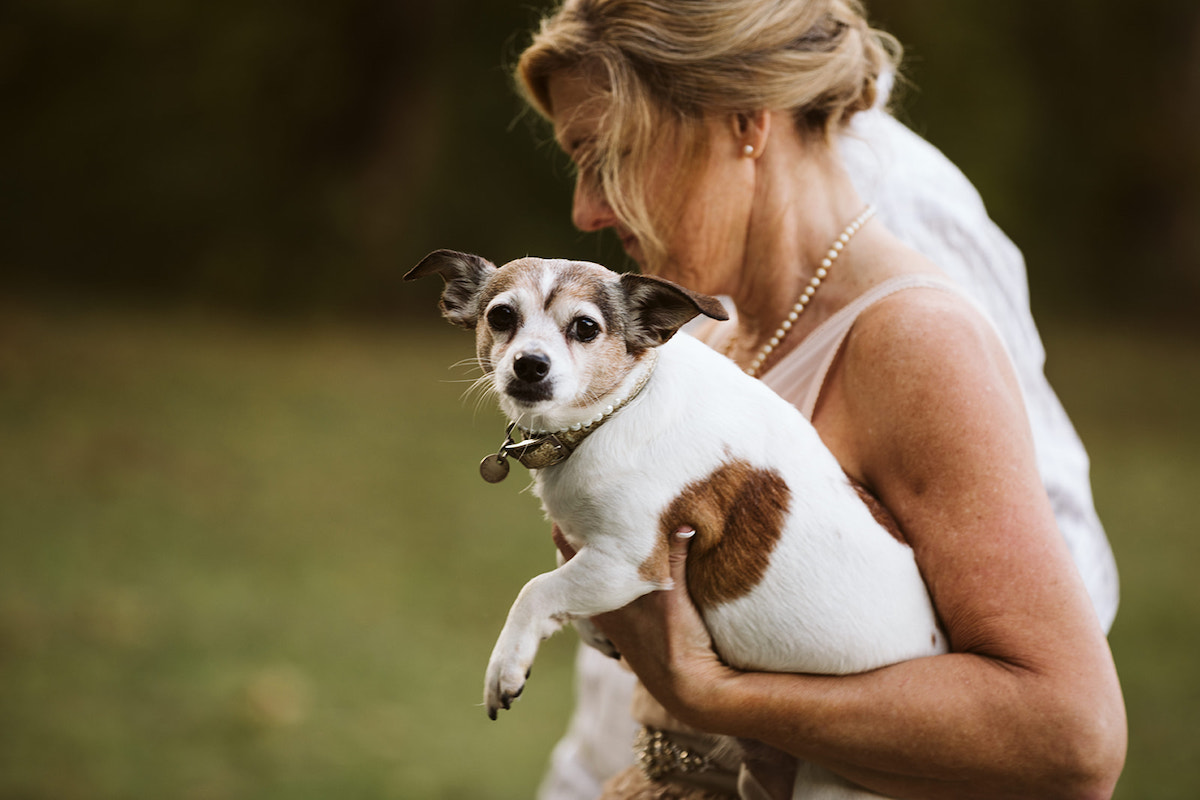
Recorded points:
(835, 250)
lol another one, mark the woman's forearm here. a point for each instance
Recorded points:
(953, 726)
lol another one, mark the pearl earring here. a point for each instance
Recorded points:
(748, 150)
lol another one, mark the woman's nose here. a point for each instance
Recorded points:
(590, 211)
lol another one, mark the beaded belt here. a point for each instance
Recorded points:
(659, 757)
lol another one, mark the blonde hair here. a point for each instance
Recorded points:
(667, 64)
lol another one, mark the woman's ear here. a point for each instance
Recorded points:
(751, 129)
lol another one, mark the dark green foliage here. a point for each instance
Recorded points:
(289, 156)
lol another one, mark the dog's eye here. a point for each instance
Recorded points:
(585, 329)
(502, 318)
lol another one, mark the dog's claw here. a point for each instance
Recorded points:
(501, 693)
(504, 700)
(511, 664)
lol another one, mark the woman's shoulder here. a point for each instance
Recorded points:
(925, 348)
(919, 311)
(901, 300)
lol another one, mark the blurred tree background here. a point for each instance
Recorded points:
(299, 157)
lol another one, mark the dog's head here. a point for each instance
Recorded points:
(558, 336)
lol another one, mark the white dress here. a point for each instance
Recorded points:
(928, 203)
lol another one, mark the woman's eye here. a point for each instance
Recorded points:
(585, 329)
(502, 318)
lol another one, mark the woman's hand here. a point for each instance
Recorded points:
(662, 636)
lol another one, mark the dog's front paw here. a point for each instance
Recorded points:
(592, 637)
(505, 681)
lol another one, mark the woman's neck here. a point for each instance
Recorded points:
(803, 202)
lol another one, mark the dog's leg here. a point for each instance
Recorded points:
(588, 633)
(591, 583)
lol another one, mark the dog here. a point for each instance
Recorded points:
(632, 430)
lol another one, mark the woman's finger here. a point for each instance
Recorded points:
(678, 550)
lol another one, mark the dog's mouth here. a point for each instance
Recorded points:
(529, 393)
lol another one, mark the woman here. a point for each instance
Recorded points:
(704, 132)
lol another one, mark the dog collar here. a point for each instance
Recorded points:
(541, 449)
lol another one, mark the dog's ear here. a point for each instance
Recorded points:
(658, 308)
(465, 275)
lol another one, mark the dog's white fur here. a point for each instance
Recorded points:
(839, 595)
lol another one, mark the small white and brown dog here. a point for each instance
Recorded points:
(631, 432)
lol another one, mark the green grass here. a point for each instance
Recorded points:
(241, 560)
(1134, 399)
(251, 562)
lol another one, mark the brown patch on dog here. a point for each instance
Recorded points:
(879, 512)
(738, 513)
(654, 568)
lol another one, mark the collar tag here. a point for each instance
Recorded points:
(544, 451)
(535, 453)
(494, 467)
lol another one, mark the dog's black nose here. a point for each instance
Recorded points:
(531, 367)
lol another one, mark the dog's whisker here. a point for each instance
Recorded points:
(477, 397)
(483, 385)
(467, 365)
(481, 390)
(472, 362)
(482, 400)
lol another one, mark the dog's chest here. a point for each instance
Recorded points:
(607, 494)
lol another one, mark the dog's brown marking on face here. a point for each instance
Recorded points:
(551, 296)
(738, 514)
(604, 361)
(880, 512)
(506, 278)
